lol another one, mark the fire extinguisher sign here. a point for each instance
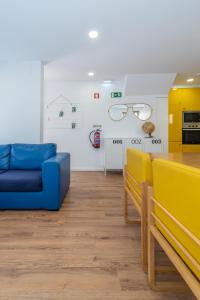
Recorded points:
(96, 96)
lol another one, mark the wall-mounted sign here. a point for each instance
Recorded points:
(136, 141)
(156, 141)
(116, 94)
(117, 141)
(96, 96)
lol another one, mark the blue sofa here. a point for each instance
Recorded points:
(33, 176)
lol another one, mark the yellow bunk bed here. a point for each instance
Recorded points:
(137, 177)
(174, 221)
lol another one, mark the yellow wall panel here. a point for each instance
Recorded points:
(175, 147)
(175, 116)
(182, 99)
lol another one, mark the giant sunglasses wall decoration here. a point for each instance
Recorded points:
(142, 111)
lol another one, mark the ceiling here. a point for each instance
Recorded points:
(181, 80)
(135, 36)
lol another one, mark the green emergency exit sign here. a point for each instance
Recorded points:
(116, 94)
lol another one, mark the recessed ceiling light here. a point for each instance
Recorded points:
(190, 79)
(90, 74)
(93, 34)
(107, 81)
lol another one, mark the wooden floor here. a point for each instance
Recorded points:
(83, 252)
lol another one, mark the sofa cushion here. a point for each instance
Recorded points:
(30, 156)
(21, 181)
(4, 157)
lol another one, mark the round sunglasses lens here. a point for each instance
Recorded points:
(118, 112)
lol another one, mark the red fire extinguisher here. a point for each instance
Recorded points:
(94, 138)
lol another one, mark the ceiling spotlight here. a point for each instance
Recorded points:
(190, 79)
(93, 34)
(91, 74)
(107, 81)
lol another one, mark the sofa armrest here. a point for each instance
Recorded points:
(56, 176)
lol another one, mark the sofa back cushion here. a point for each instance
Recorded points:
(4, 157)
(30, 156)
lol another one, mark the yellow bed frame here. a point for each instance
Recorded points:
(137, 177)
(174, 221)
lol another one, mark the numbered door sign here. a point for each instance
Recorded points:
(136, 141)
(156, 141)
(117, 141)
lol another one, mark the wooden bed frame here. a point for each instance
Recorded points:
(154, 234)
(142, 210)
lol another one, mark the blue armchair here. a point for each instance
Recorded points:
(33, 176)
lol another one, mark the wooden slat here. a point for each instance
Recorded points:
(185, 272)
(179, 224)
(127, 185)
(133, 199)
(180, 246)
(132, 178)
(144, 231)
(151, 242)
(135, 194)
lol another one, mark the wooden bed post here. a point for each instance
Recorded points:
(151, 242)
(125, 197)
(126, 206)
(144, 232)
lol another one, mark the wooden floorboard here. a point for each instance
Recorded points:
(83, 252)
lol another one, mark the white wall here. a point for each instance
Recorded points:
(84, 157)
(21, 105)
(149, 84)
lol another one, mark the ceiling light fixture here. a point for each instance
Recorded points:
(190, 79)
(93, 34)
(91, 74)
(107, 81)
